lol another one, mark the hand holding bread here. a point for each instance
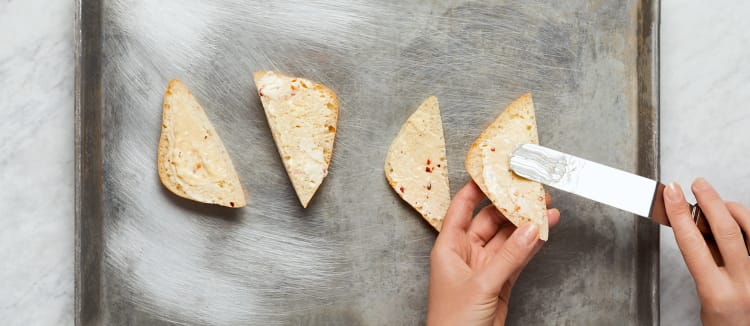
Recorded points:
(476, 261)
(520, 200)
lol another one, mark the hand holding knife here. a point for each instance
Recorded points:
(607, 185)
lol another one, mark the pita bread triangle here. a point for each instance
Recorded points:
(416, 165)
(302, 115)
(192, 160)
(520, 200)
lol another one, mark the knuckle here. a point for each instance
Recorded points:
(691, 246)
(738, 210)
(510, 255)
(733, 204)
(477, 238)
(709, 307)
(690, 241)
(678, 209)
(713, 303)
(708, 199)
(728, 233)
(729, 300)
(692, 260)
(462, 196)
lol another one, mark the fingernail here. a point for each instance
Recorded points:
(529, 233)
(701, 184)
(673, 192)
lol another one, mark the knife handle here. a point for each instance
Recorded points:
(702, 223)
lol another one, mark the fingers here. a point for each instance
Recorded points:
(742, 215)
(485, 225)
(725, 230)
(694, 249)
(553, 216)
(462, 206)
(507, 288)
(514, 254)
(494, 245)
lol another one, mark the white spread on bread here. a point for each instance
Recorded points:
(193, 162)
(302, 115)
(416, 165)
(191, 158)
(519, 199)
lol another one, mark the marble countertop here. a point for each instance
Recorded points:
(705, 70)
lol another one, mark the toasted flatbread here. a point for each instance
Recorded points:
(192, 160)
(519, 199)
(302, 115)
(416, 165)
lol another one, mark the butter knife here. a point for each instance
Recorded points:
(598, 182)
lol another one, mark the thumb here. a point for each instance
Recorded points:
(514, 255)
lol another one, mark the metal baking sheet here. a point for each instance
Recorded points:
(357, 255)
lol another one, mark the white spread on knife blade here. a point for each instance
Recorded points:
(533, 162)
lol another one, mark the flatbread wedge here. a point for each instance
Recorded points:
(519, 199)
(302, 115)
(416, 165)
(192, 161)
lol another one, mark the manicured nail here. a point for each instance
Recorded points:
(529, 233)
(701, 184)
(673, 192)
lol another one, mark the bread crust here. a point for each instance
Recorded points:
(303, 117)
(186, 132)
(519, 199)
(416, 166)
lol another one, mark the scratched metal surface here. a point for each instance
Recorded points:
(357, 255)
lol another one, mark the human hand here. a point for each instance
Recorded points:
(475, 263)
(724, 291)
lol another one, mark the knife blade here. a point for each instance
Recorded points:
(627, 191)
(598, 182)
